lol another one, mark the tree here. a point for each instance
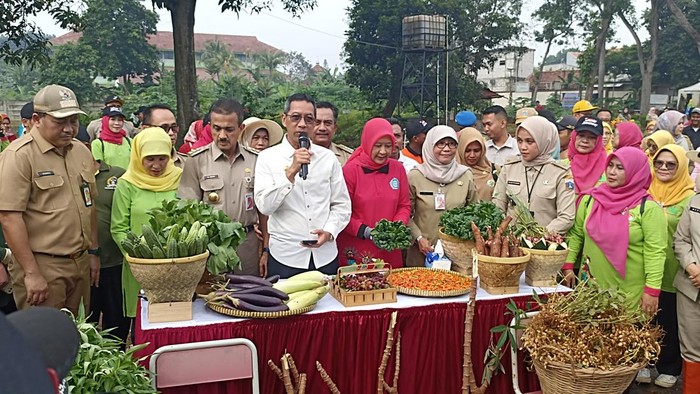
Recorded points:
(118, 31)
(296, 67)
(677, 56)
(683, 22)
(646, 62)
(478, 29)
(558, 17)
(218, 59)
(269, 61)
(559, 57)
(24, 41)
(73, 66)
(182, 16)
(599, 21)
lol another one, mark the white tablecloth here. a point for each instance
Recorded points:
(204, 316)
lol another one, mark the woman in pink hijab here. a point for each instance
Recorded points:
(587, 155)
(627, 134)
(622, 232)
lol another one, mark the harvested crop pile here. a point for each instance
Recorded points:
(429, 280)
(593, 328)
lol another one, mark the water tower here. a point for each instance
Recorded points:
(424, 78)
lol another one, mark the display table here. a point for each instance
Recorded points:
(349, 342)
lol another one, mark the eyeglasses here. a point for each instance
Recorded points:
(443, 144)
(670, 165)
(296, 118)
(167, 127)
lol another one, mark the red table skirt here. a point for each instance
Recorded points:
(350, 346)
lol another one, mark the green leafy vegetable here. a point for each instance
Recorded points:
(224, 235)
(457, 221)
(390, 236)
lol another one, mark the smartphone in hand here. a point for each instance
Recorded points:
(309, 242)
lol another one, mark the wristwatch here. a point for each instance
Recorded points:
(95, 252)
(266, 250)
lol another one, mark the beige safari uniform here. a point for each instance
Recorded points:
(48, 189)
(687, 248)
(93, 128)
(342, 152)
(548, 191)
(425, 220)
(180, 159)
(227, 186)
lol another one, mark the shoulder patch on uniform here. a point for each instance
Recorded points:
(345, 148)
(197, 151)
(563, 166)
(251, 150)
(20, 142)
(513, 161)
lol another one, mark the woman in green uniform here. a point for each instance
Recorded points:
(150, 179)
(622, 232)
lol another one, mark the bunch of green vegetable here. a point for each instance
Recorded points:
(173, 242)
(224, 235)
(101, 366)
(390, 235)
(457, 221)
(532, 235)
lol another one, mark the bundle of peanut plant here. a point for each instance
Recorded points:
(594, 327)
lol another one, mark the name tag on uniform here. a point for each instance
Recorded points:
(44, 173)
(425, 193)
(215, 176)
(249, 202)
(516, 183)
(694, 209)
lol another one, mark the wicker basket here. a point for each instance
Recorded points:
(459, 252)
(544, 266)
(168, 280)
(561, 378)
(501, 275)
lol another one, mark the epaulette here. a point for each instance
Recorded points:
(19, 143)
(563, 166)
(514, 160)
(251, 150)
(199, 150)
(345, 148)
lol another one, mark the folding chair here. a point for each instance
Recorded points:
(517, 334)
(193, 363)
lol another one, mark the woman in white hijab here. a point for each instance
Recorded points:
(439, 184)
(544, 185)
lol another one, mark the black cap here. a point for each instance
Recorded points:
(142, 109)
(589, 123)
(27, 110)
(568, 123)
(113, 98)
(416, 126)
(37, 338)
(113, 111)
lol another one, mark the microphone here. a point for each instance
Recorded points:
(304, 142)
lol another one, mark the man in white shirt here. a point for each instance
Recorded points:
(305, 215)
(407, 162)
(501, 147)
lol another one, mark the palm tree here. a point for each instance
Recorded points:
(218, 59)
(269, 61)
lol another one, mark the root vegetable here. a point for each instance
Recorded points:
(503, 227)
(496, 247)
(513, 249)
(478, 239)
(489, 232)
(505, 252)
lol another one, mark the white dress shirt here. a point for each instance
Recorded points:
(295, 209)
(499, 155)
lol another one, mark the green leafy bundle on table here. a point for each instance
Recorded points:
(457, 221)
(390, 235)
(531, 234)
(102, 367)
(215, 231)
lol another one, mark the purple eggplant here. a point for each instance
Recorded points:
(256, 299)
(265, 291)
(246, 306)
(246, 279)
(242, 286)
(273, 279)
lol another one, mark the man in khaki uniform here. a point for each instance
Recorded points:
(548, 191)
(324, 130)
(160, 115)
(94, 127)
(48, 191)
(222, 175)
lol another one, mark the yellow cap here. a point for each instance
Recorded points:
(583, 106)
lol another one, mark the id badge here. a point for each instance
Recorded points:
(440, 203)
(87, 197)
(249, 202)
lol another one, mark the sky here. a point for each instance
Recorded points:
(318, 34)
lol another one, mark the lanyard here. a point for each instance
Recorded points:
(527, 183)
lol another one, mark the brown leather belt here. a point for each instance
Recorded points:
(72, 256)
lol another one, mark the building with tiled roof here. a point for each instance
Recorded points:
(243, 47)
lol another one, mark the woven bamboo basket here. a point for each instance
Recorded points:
(168, 280)
(561, 378)
(230, 311)
(459, 252)
(544, 266)
(501, 275)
